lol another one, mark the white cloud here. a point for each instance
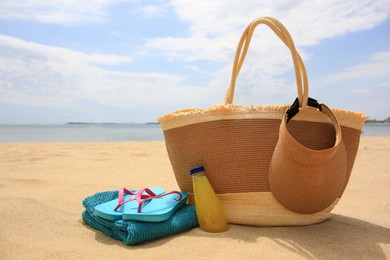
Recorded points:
(57, 11)
(151, 10)
(193, 48)
(214, 27)
(363, 87)
(72, 12)
(377, 66)
(39, 75)
(34, 49)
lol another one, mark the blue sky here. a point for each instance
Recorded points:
(132, 60)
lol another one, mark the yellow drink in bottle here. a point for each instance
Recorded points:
(209, 211)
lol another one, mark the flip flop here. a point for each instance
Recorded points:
(113, 210)
(160, 207)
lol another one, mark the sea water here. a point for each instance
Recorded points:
(111, 132)
(376, 130)
(81, 133)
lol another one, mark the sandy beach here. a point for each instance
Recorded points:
(42, 186)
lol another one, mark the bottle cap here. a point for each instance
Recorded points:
(196, 169)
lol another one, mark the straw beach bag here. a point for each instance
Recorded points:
(269, 167)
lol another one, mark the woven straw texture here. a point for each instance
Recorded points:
(235, 144)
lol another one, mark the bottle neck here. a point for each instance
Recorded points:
(198, 174)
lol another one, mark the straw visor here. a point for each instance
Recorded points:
(306, 180)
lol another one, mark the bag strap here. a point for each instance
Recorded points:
(284, 35)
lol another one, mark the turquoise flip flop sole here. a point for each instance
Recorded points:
(157, 210)
(106, 210)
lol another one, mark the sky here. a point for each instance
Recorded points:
(134, 60)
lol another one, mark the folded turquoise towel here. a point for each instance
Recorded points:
(135, 232)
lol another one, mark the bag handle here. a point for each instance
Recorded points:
(284, 35)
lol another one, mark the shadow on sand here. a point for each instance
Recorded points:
(340, 237)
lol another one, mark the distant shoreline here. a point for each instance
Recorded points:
(377, 123)
(89, 123)
(109, 123)
(374, 121)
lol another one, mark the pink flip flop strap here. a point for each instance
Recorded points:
(121, 195)
(156, 197)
